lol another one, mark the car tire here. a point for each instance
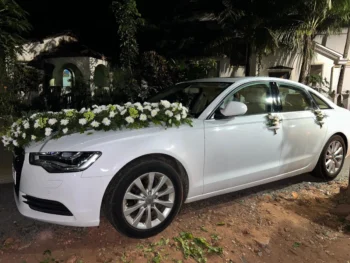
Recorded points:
(322, 170)
(127, 184)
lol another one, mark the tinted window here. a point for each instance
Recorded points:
(320, 102)
(257, 97)
(293, 99)
(196, 96)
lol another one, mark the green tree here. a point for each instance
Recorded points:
(128, 20)
(13, 24)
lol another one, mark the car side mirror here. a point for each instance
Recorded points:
(234, 108)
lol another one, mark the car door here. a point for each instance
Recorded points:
(241, 149)
(302, 136)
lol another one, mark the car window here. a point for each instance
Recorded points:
(196, 96)
(320, 102)
(293, 99)
(257, 97)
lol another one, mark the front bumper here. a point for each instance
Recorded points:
(82, 196)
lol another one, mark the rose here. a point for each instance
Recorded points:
(143, 117)
(82, 121)
(106, 121)
(129, 119)
(95, 124)
(169, 113)
(165, 103)
(64, 122)
(48, 131)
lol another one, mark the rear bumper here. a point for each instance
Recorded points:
(49, 193)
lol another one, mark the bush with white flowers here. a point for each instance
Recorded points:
(39, 126)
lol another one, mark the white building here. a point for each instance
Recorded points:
(327, 61)
(64, 62)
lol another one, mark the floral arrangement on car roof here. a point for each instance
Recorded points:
(111, 117)
(273, 122)
(319, 117)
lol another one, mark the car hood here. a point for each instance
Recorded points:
(94, 140)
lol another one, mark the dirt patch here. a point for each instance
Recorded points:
(277, 223)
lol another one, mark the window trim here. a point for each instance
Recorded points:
(313, 93)
(242, 86)
(306, 92)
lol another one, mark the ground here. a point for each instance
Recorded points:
(287, 221)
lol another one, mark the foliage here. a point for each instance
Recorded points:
(318, 83)
(128, 19)
(13, 23)
(39, 126)
(194, 69)
(196, 247)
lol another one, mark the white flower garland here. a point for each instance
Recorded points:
(319, 117)
(41, 125)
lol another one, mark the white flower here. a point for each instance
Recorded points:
(15, 143)
(123, 112)
(106, 121)
(36, 124)
(82, 110)
(146, 103)
(271, 117)
(5, 143)
(97, 110)
(112, 114)
(184, 114)
(120, 108)
(178, 117)
(48, 131)
(147, 107)
(169, 121)
(128, 104)
(26, 125)
(18, 129)
(95, 124)
(174, 106)
(65, 130)
(179, 106)
(165, 103)
(143, 117)
(64, 122)
(33, 137)
(129, 119)
(275, 123)
(24, 135)
(33, 116)
(82, 121)
(52, 121)
(154, 112)
(94, 106)
(16, 134)
(169, 113)
(155, 105)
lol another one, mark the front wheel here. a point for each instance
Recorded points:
(332, 159)
(143, 199)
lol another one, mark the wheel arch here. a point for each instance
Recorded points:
(344, 138)
(158, 156)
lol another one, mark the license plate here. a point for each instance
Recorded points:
(14, 175)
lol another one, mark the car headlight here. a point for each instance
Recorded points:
(64, 162)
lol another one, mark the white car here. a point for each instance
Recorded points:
(141, 178)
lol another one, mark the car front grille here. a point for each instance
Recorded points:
(17, 161)
(46, 206)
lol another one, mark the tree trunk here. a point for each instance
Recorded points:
(306, 58)
(343, 68)
(247, 60)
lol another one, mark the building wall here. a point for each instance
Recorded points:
(79, 65)
(335, 41)
(31, 50)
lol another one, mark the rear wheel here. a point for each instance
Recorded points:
(332, 159)
(143, 199)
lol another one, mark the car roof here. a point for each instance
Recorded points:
(243, 79)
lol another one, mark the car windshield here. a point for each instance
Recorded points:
(196, 96)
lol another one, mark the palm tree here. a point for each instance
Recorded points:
(342, 70)
(312, 17)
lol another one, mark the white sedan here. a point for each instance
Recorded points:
(246, 132)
